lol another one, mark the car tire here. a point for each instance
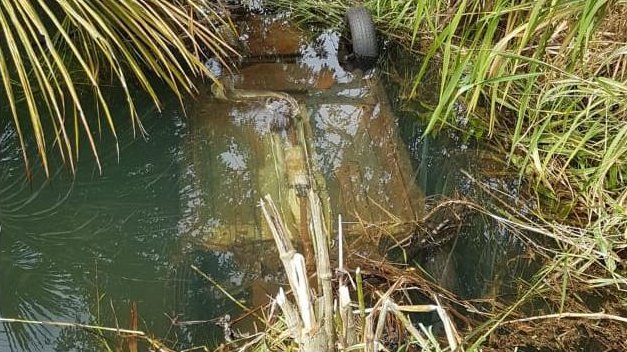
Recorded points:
(363, 34)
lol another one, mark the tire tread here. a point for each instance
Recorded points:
(363, 34)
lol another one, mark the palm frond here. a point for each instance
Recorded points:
(54, 52)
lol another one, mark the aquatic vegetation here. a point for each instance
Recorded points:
(53, 53)
(324, 320)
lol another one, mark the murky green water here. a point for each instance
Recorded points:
(84, 249)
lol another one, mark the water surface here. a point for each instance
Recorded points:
(85, 248)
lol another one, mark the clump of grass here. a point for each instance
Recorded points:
(546, 78)
(545, 82)
(327, 320)
(386, 320)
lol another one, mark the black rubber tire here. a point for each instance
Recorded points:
(363, 34)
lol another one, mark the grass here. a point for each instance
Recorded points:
(543, 83)
(545, 79)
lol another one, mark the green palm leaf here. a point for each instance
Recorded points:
(55, 51)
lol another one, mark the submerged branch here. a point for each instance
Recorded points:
(73, 325)
(593, 316)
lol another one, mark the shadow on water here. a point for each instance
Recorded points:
(84, 249)
(484, 260)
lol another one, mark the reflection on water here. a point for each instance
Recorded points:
(484, 260)
(83, 249)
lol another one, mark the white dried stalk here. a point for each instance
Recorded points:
(383, 313)
(323, 264)
(340, 240)
(423, 342)
(294, 325)
(293, 262)
(348, 320)
(451, 333)
(369, 334)
(279, 232)
(349, 334)
(301, 292)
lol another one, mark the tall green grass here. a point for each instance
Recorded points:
(546, 80)
(546, 83)
(545, 76)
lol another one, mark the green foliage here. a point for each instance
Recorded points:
(546, 79)
(55, 52)
(540, 70)
(544, 82)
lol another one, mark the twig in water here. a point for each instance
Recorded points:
(226, 293)
(594, 316)
(73, 325)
